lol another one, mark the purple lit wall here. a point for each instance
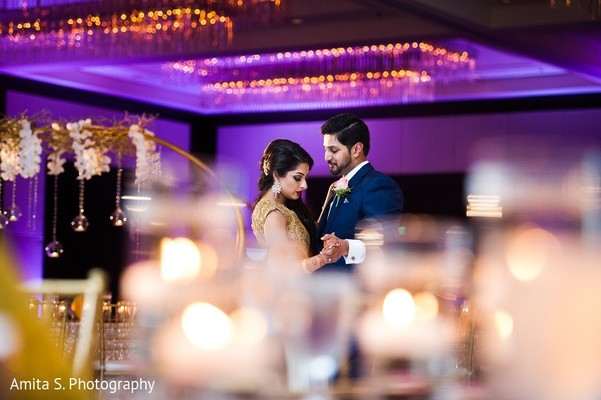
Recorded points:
(26, 235)
(437, 144)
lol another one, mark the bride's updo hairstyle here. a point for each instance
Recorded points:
(280, 156)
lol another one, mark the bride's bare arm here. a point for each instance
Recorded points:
(314, 263)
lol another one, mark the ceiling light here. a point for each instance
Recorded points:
(393, 73)
(66, 30)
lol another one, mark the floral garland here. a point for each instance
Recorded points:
(90, 160)
(9, 162)
(30, 151)
(91, 142)
(9, 151)
(147, 158)
(56, 161)
(23, 140)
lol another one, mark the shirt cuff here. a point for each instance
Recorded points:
(356, 252)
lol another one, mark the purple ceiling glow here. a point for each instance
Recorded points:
(126, 55)
(394, 73)
(496, 74)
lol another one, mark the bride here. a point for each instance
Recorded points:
(279, 214)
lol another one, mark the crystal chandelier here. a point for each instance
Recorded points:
(65, 30)
(393, 73)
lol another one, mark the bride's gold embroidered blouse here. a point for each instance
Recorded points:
(297, 233)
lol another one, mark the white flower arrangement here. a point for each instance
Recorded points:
(56, 163)
(9, 162)
(23, 140)
(30, 151)
(147, 158)
(90, 160)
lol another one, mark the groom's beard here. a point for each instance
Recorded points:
(336, 169)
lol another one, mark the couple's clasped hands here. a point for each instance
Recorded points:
(333, 247)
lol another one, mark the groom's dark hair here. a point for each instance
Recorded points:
(349, 129)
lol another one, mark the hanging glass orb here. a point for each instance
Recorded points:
(14, 213)
(118, 217)
(80, 223)
(3, 220)
(54, 249)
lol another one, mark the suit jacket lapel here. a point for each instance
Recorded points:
(359, 175)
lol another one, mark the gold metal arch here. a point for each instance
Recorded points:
(240, 228)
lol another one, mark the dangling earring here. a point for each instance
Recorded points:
(276, 188)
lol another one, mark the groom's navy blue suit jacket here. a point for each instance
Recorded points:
(373, 196)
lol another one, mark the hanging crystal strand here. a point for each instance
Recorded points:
(54, 249)
(29, 205)
(80, 222)
(34, 212)
(137, 234)
(32, 203)
(3, 218)
(118, 217)
(15, 212)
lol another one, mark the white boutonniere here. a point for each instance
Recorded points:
(341, 189)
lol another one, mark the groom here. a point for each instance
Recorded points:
(361, 195)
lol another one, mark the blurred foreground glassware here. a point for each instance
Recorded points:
(315, 315)
(63, 329)
(538, 291)
(537, 275)
(468, 344)
(107, 307)
(408, 330)
(197, 327)
(126, 310)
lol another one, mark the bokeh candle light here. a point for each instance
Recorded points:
(180, 259)
(426, 305)
(208, 348)
(206, 326)
(405, 325)
(398, 308)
